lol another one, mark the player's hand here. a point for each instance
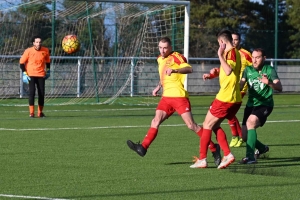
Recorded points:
(25, 78)
(206, 76)
(264, 79)
(47, 74)
(155, 91)
(221, 49)
(169, 71)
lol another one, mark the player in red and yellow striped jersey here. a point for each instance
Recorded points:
(246, 60)
(172, 67)
(227, 101)
(35, 65)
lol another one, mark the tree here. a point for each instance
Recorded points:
(255, 21)
(293, 19)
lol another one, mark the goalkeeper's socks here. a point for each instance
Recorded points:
(40, 109)
(31, 109)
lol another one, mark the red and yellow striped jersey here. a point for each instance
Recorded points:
(229, 85)
(173, 86)
(246, 59)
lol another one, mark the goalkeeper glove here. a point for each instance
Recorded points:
(47, 74)
(26, 78)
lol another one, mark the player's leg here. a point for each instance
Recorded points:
(163, 111)
(41, 95)
(252, 123)
(228, 111)
(159, 117)
(183, 108)
(262, 115)
(214, 148)
(31, 95)
(205, 134)
(234, 131)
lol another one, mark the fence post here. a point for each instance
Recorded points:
(132, 77)
(271, 62)
(78, 75)
(21, 85)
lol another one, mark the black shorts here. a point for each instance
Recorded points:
(261, 112)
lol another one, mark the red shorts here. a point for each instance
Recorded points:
(221, 109)
(171, 104)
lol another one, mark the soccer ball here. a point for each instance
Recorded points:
(70, 44)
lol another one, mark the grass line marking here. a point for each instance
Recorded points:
(29, 197)
(114, 127)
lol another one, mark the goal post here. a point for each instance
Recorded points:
(117, 59)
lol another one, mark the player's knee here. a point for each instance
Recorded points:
(155, 122)
(251, 124)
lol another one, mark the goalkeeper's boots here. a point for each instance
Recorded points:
(199, 163)
(258, 153)
(247, 160)
(217, 155)
(234, 141)
(239, 143)
(41, 115)
(31, 115)
(137, 147)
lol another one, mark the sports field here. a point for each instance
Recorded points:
(80, 152)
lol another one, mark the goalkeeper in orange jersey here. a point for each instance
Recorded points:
(35, 66)
(172, 67)
(246, 60)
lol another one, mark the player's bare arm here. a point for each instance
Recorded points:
(242, 83)
(185, 70)
(226, 67)
(156, 89)
(276, 84)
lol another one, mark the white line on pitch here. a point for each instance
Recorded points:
(124, 109)
(29, 197)
(114, 127)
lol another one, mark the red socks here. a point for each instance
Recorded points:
(204, 143)
(151, 135)
(211, 145)
(222, 140)
(235, 127)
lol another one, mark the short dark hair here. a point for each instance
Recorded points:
(236, 33)
(263, 53)
(35, 37)
(225, 34)
(166, 39)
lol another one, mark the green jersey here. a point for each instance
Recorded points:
(259, 93)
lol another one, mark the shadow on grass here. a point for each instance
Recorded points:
(179, 163)
(267, 166)
(158, 192)
(283, 145)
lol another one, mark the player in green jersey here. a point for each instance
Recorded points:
(262, 79)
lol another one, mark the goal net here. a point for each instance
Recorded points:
(117, 59)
